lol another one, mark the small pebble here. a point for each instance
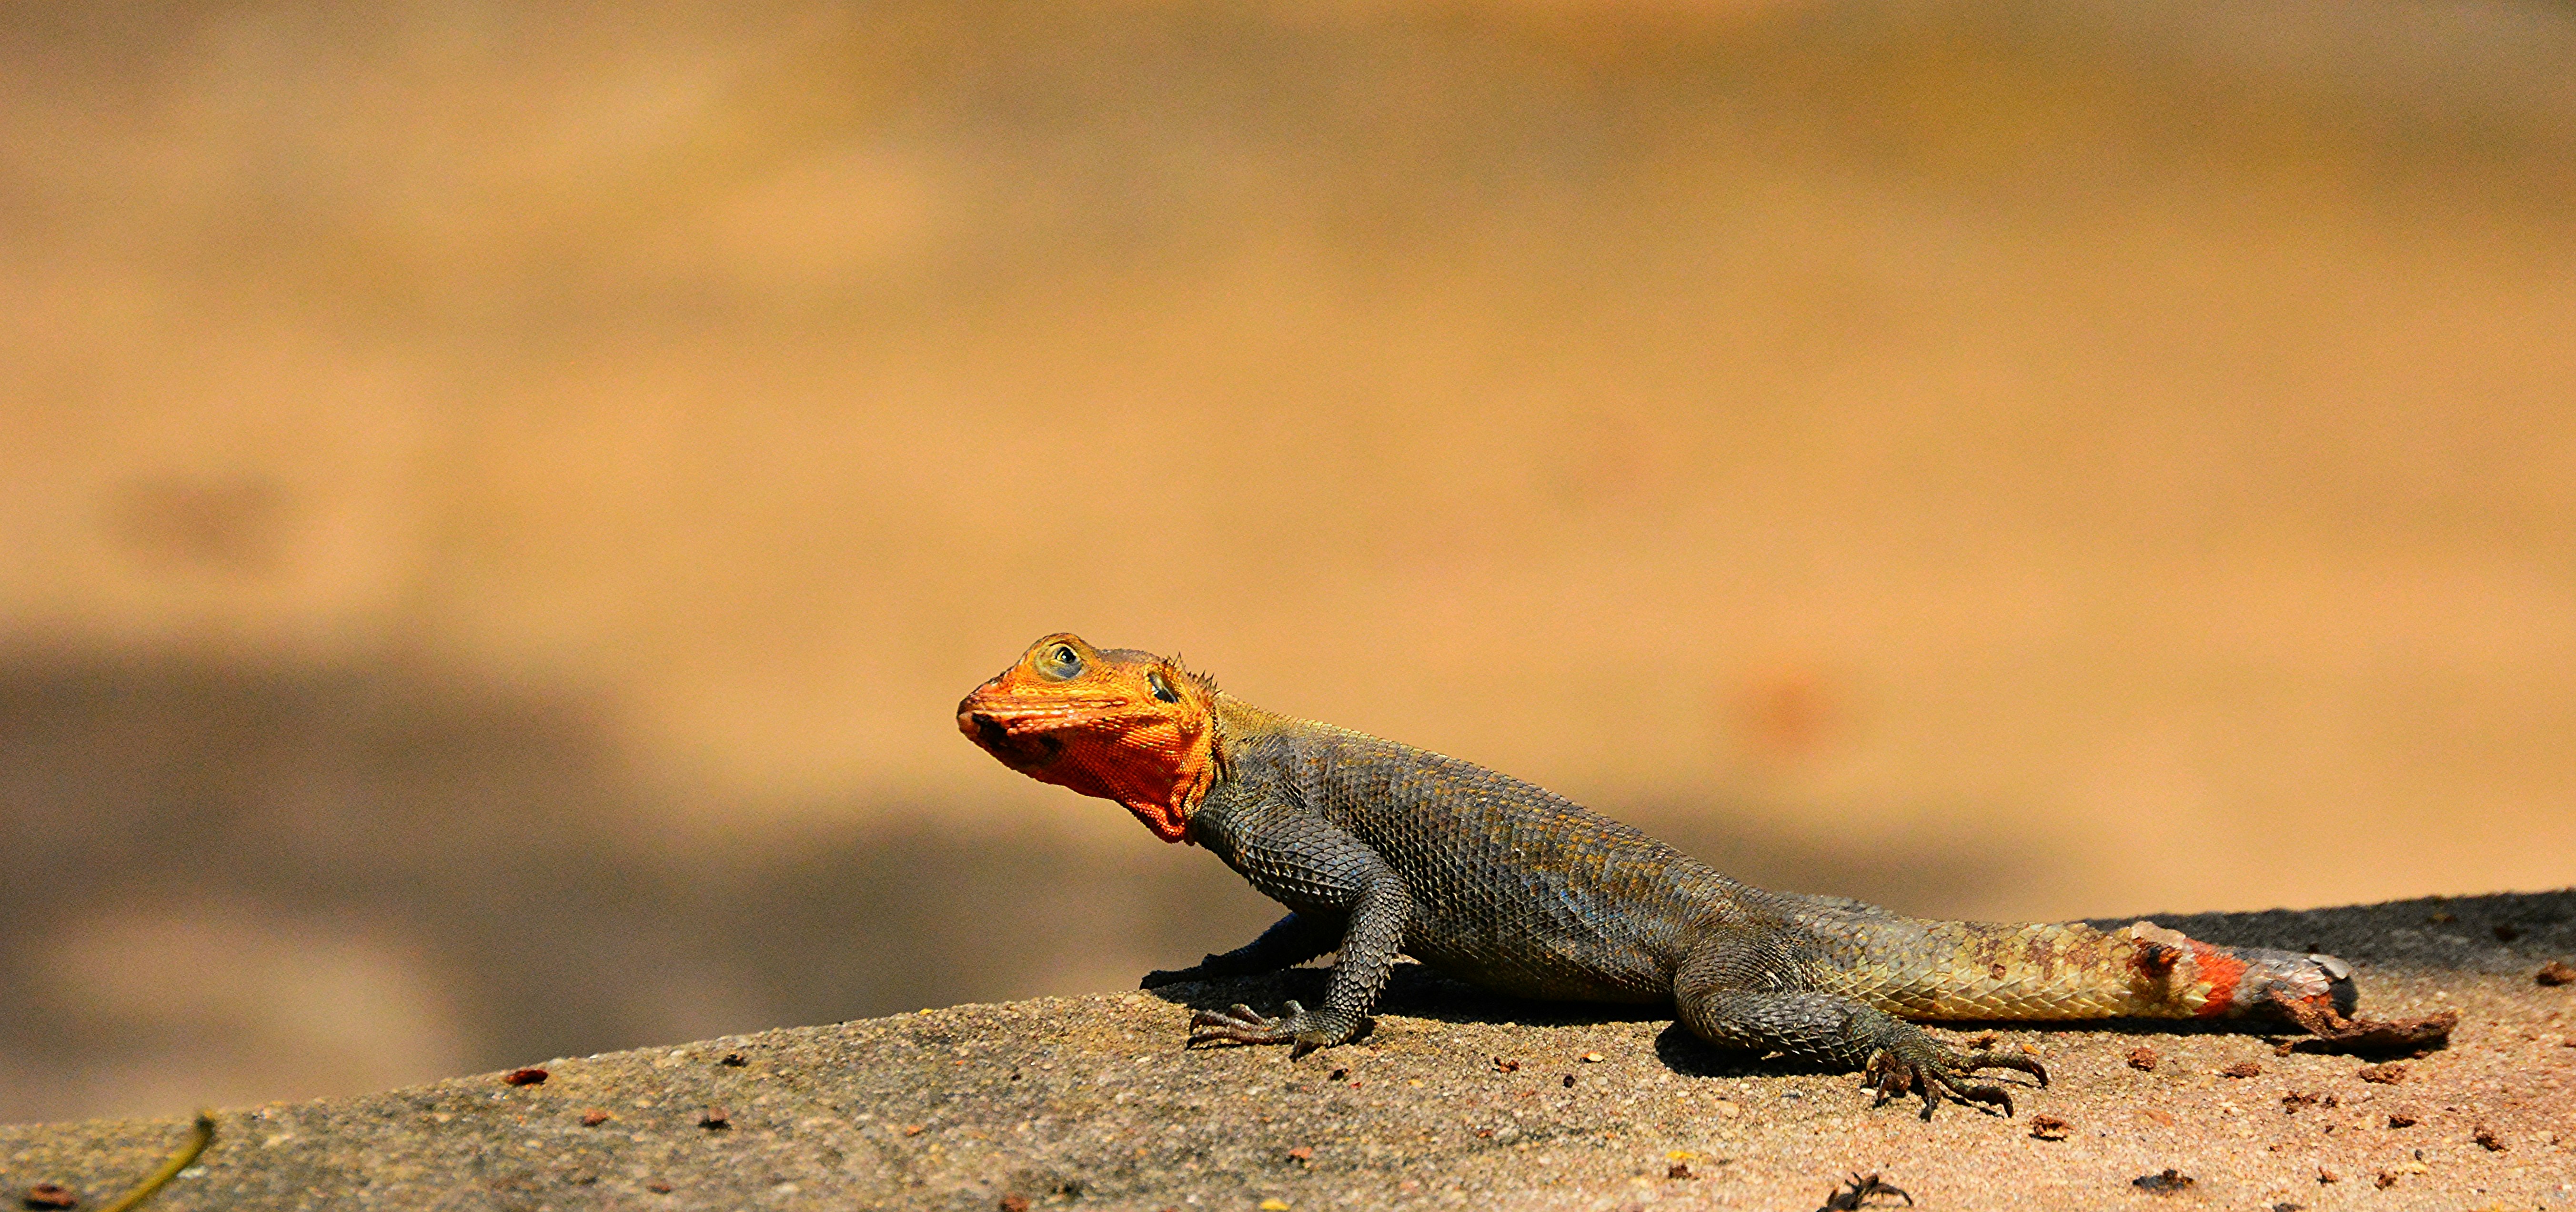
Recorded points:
(51, 1196)
(2165, 1183)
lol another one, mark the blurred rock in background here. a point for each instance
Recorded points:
(502, 500)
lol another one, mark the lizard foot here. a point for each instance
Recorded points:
(1302, 1029)
(1209, 968)
(1918, 1064)
(1160, 977)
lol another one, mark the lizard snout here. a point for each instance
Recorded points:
(1022, 752)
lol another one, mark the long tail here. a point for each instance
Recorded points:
(1990, 970)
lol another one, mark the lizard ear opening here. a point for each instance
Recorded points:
(1161, 686)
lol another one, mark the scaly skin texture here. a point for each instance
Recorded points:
(1378, 849)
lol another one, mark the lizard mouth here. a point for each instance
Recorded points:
(1029, 752)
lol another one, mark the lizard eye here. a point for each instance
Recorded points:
(1061, 662)
(1162, 689)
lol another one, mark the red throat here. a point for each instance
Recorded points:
(1160, 785)
(1159, 773)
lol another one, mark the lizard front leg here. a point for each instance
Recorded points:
(1895, 1057)
(1368, 951)
(1298, 858)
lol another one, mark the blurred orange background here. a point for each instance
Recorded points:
(501, 500)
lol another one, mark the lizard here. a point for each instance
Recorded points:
(1379, 849)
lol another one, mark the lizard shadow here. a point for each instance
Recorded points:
(2285, 1037)
(1415, 991)
(1685, 1053)
(1412, 990)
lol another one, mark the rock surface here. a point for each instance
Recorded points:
(1457, 1099)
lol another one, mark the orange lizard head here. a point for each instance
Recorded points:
(1122, 725)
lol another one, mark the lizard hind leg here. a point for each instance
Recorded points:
(1290, 941)
(1896, 1057)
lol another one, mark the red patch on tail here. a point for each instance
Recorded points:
(2220, 971)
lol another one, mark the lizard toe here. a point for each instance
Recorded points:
(1886, 1077)
(1208, 1036)
(1944, 1069)
(1990, 1095)
(1236, 1025)
(1304, 1030)
(1893, 1073)
(1893, 1084)
(2022, 1064)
